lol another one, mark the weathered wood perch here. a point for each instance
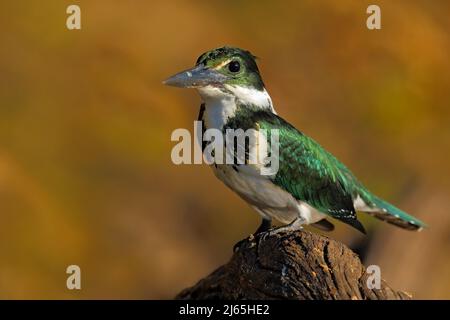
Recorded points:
(298, 265)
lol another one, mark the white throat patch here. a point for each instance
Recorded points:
(221, 105)
(252, 96)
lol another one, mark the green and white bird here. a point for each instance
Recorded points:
(310, 185)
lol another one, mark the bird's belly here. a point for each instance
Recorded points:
(260, 192)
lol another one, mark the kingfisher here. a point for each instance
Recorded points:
(310, 185)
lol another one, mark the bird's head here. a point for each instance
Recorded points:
(220, 69)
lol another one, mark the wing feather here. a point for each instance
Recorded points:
(306, 170)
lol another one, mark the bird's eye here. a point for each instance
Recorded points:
(234, 66)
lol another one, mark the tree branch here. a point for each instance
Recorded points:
(298, 265)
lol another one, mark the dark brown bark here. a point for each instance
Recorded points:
(297, 265)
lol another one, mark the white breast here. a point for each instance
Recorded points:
(219, 106)
(259, 191)
(262, 193)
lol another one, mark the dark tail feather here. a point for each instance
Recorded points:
(395, 216)
(354, 223)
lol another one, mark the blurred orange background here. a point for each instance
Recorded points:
(85, 171)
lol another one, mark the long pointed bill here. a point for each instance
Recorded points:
(199, 76)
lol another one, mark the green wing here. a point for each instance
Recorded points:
(314, 176)
(306, 170)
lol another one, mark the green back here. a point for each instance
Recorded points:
(306, 170)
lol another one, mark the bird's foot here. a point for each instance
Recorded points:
(295, 225)
(263, 227)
